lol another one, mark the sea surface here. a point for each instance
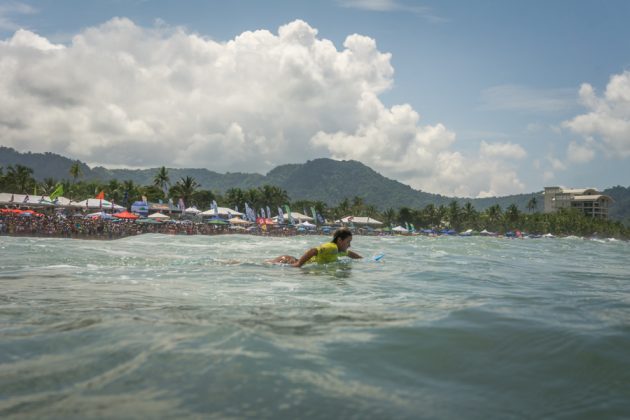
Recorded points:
(159, 326)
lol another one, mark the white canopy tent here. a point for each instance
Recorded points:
(31, 200)
(192, 210)
(96, 203)
(100, 215)
(299, 217)
(158, 216)
(239, 221)
(360, 220)
(222, 212)
(400, 229)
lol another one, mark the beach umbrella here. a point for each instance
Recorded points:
(239, 221)
(126, 215)
(99, 215)
(217, 222)
(148, 221)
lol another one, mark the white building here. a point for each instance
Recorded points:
(590, 201)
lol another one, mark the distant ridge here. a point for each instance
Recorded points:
(323, 179)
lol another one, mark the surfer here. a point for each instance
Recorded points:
(325, 253)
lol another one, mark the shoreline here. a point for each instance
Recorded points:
(98, 229)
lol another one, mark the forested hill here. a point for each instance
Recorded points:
(325, 180)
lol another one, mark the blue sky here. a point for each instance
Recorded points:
(452, 97)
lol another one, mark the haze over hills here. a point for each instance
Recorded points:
(323, 179)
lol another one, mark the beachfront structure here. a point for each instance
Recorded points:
(297, 217)
(224, 212)
(359, 220)
(28, 200)
(588, 200)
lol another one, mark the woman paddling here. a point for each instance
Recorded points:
(325, 253)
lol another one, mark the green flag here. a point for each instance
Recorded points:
(314, 213)
(289, 217)
(58, 192)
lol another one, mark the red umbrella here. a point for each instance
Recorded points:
(126, 215)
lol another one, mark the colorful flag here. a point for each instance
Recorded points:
(280, 215)
(181, 205)
(215, 208)
(268, 212)
(58, 192)
(101, 195)
(314, 213)
(290, 217)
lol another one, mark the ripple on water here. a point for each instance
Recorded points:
(192, 326)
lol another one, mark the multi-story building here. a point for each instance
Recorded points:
(590, 201)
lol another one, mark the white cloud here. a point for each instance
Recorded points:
(580, 153)
(375, 5)
(120, 94)
(502, 150)
(392, 6)
(608, 119)
(556, 164)
(521, 98)
(10, 9)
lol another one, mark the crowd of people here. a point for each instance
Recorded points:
(78, 226)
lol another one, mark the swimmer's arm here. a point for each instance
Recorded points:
(354, 255)
(307, 256)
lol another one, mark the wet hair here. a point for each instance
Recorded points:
(341, 233)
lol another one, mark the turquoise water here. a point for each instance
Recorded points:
(161, 326)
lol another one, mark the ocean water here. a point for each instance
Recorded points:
(160, 326)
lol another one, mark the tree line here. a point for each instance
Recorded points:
(19, 179)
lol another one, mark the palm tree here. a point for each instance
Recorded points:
(389, 216)
(114, 190)
(20, 178)
(75, 171)
(454, 215)
(162, 179)
(234, 197)
(512, 214)
(185, 188)
(429, 215)
(358, 206)
(470, 214)
(494, 215)
(130, 191)
(273, 196)
(48, 185)
(532, 204)
(341, 210)
(439, 215)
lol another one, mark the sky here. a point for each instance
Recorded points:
(460, 98)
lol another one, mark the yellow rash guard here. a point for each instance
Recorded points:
(327, 253)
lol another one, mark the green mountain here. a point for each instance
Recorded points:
(324, 180)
